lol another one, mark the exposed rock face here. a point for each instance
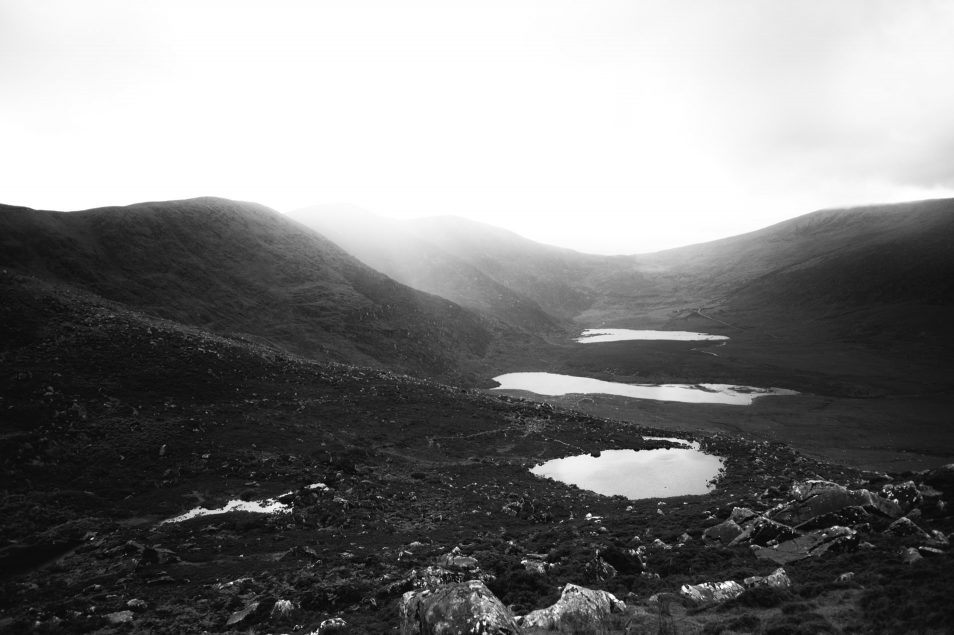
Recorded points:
(711, 592)
(904, 526)
(579, 610)
(466, 607)
(818, 498)
(811, 544)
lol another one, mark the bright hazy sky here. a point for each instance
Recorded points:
(612, 127)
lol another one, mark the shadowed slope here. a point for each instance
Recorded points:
(241, 267)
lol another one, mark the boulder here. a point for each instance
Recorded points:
(904, 527)
(818, 498)
(905, 494)
(941, 478)
(741, 515)
(454, 560)
(466, 607)
(711, 592)
(724, 532)
(244, 615)
(762, 531)
(811, 544)
(778, 579)
(579, 610)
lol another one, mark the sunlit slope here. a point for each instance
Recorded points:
(241, 267)
(397, 250)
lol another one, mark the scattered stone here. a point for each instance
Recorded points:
(137, 605)
(778, 579)
(535, 565)
(162, 450)
(332, 624)
(240, 616)
(119, 617)
(579, 610)
(282, 608)
(466, 607)
(454, 560)
(711, 592)
(911, 555)
(847, 576)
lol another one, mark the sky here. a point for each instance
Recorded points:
(604, 126)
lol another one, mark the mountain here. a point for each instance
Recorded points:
(401, 252)
(872, 274)
(243, 268)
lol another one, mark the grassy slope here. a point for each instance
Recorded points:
(393, 248)
(239, 267)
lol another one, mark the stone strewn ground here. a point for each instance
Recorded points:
(114, 422)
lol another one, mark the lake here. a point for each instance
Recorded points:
(637, 473)
(555, 385)
(592, 336)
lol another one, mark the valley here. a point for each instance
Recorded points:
(170, 355)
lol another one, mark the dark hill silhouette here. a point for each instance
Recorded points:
(866, 273)
(244, 268)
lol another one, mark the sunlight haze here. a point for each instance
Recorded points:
(606, 127)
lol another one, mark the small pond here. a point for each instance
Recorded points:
(592, 336)
(554, 385)
(637, 473)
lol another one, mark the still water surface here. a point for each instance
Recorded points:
(554, 385)
(637, 473)
(591, 336)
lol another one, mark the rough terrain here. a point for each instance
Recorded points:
(114, 421)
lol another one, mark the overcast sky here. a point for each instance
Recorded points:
(611, 127)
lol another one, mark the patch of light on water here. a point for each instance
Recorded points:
(637, 473)
(555, 385)
(267, 506)
(592, 336)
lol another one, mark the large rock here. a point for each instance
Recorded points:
(466, 607)
(778, 579)
(818, 498)
(906, 494)
(711, 592)
(811, 544)
(724, 532)
(579, 610)
(762, 531)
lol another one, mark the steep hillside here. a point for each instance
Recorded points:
(397, 250)
(871, 274)
(243, 268)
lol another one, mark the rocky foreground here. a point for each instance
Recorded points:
(402, 505)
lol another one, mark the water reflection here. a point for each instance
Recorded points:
(637, 474)
(555, 385)
(590, 336)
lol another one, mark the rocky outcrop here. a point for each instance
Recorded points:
(711, 592)
(811, 544)
(778, 579)
(818, 498)
(466, 607)
(579, 610)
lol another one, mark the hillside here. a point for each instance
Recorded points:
(396, 249)
(880, 276)
(115, 421)
(243, 268)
